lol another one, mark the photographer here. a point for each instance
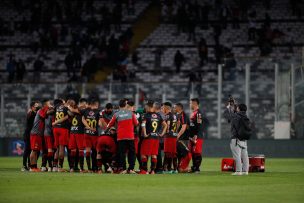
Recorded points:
(236, 116)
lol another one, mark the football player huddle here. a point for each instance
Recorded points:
(105, 137)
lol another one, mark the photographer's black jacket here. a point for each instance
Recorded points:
(234, 119)
(30, 116)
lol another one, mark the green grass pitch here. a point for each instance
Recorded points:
(283, 181)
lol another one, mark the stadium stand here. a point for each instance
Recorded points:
(155, 65)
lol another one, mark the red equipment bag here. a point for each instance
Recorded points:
(256, 163)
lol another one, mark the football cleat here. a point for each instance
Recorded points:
(24, 169)
(143, 172)
(109, 170)
(123, 172)
(132, 172)
(43, 169)
(237, 174)
(35, 170)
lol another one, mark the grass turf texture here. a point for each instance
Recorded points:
(282, 182)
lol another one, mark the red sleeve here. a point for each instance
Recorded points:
(112, 122)
(42, 113)
(135, 121)
(183, 119)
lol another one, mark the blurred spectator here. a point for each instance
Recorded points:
(77, 58)
(20, 70)
(205, 16)
(135, 58)
(131, 7)
(11, 69)
(267, 20)
(179, 59)
(224, 12)
(191, 27)
(251, 29)
(191, 78)
(69, 63)
(117, 16)
(203, 51)
(217, 31)
(38, 67)
(235, 18)
(157, 58)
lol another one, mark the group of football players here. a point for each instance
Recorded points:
(105, 137)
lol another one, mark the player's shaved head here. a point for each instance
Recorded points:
(57, 102)
(156, 106)
(109, 106)
(131, 103)
(178, 108)
(168, 104)
(83, 100)
(180, 105)
(122, 103)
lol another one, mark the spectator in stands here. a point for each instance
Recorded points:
(192, 78)
(191, 24)
(20, 70)
(181, 19)
(135, 58)
(217, 31)
(267, 21)
(77, 58)
(224, 11)
(252, 26)
(289, 40)
(198, 85)
(69, 63)
(11, 68)
(205, 15)
(131, 7)
(117, 16)
(158, 56)
(267, 4)
(235, 17)
(203, 51)
(38, 67)
(179, 59)
(35, 41)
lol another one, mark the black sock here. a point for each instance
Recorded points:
(61, 160)
(76, 160)
(169, 164)
(153, 163)
(198, 161)
(94, 159)
(144, 164)
(175, 163)
(72, 161)
(88, 159)
(139, 160)
(44, 159)
(50, 159)
(99, 164)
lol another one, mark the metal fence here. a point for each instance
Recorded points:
(262, 92)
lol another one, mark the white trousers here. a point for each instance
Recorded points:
(240, 155)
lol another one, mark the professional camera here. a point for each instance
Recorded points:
(231, 100)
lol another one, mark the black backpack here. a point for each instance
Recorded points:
(244, 132)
